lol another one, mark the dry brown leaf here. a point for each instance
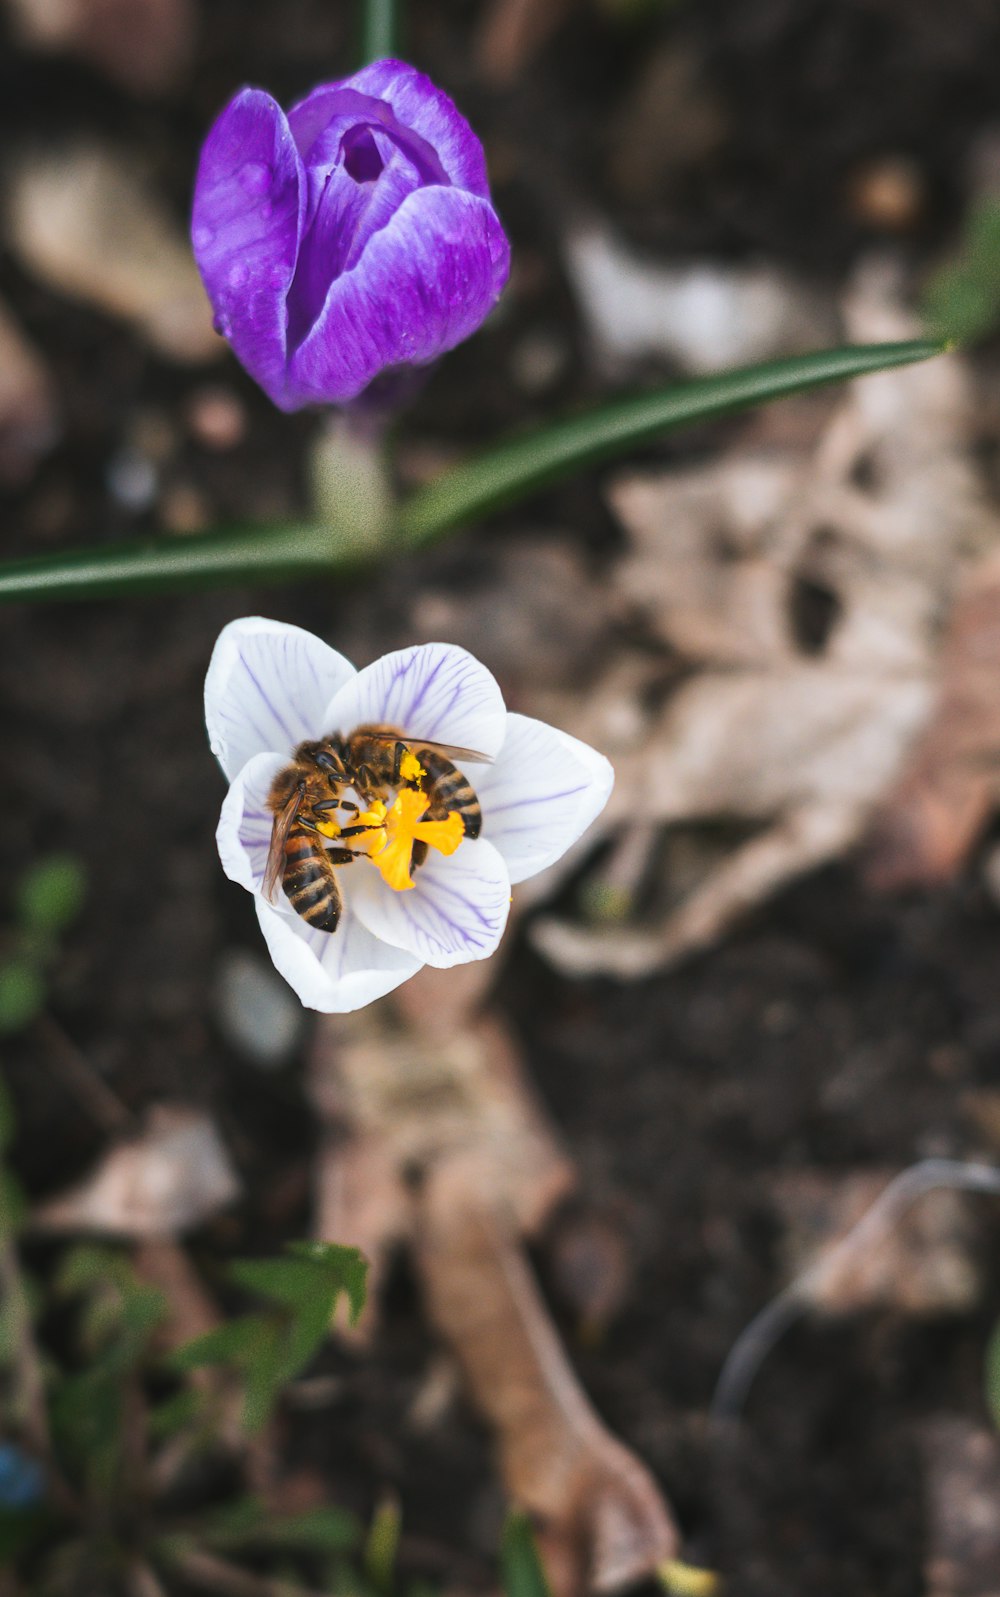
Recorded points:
(802, 753)
(559, 1462)
(399, 1087)
(28, 416)
(433, 1134)
(169, 1179)
(361, 1200)
(922, 1264)
(146, 44)
(593, 1268)
(805, 586)
(981, 1109)
(512, 32)
(85, 222)
(927, 825)
(962, 1488)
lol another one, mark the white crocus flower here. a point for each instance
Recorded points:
(271, 687)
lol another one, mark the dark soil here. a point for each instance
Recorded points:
(834, 1032)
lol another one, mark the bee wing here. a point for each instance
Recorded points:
(452, 752)
(283, 822)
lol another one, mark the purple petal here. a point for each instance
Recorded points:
(348, 211)
(249, 205)
(540, 795)
(266, 689)
(333, 971)
(417, 105)
(320, 121)
(455, 912)
(424, 282)
(435, 691)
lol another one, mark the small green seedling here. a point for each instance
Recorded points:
(47, 900)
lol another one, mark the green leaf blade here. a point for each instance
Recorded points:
(180, 565)
(521, 1569)
(509, 472)
(271, 1347)
(345, 1267)
(247, 1523)
(50, 895)
(962, 298)
(477, 488)
(22, 995)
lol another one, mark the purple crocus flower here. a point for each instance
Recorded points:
(352, 237)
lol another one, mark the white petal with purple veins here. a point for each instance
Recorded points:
(455, 912)
(244, 832)
(540, 795)
(434, 691)
(333, 971)
(266, 689)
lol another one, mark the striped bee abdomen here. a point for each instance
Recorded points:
(310, 881)
(449, 790)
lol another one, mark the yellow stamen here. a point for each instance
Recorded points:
(401, 828)
(410, 768)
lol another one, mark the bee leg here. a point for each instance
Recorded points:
(357, 831)
(341, 856)
(367, 782)
(330, 804)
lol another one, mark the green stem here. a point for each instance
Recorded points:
(379, 32)
(509, 473)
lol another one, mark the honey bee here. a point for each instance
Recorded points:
(374, 761)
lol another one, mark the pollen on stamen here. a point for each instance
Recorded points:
(404, 826)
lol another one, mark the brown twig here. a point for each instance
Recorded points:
(94, 1095)
(144, 1582)
(29, 1407)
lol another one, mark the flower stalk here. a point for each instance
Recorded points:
(352, 491)
(379, 30)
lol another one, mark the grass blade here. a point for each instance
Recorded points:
(175, 565)
(521, 1569)
(512, 471)
(500, 477)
